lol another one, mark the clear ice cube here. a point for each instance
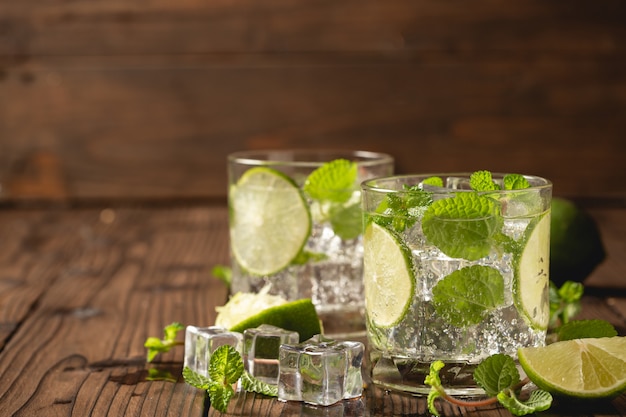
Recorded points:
(201, 342)
(320, 371)
(261, 350)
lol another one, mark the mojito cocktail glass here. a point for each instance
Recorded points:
(455, 269)
(296, 228)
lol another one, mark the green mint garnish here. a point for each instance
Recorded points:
(334, 181)
(156, 345)
(307, 256)
(464, 297)
(251, 384)
(223, 273)
(539, 400)
(483, 181)
(433, 181)
(401, 210)
(515, 182)
(347, 222)
(564, 302)
(496, 373)
(463, 226)
(580, 329)
(499, 377)
(225, 369)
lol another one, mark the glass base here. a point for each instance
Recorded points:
(407, 375)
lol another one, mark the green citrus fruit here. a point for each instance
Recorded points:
(388, 276)
(583, 368)
(270, 221)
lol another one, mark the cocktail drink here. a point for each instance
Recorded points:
(455, 269)
(296, 228)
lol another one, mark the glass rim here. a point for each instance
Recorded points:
(370, 184)
(260, 157)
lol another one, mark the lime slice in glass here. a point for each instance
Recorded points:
(388, 276)
(531, 275)
(584, 368)
(270, 221)
(247, 310)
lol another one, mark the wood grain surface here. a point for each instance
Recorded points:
(82, 289)
(103, 100)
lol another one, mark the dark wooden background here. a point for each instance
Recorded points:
(105, 100)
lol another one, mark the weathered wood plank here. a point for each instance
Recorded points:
(119, 100)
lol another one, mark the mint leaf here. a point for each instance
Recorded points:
(515, 182)
(195, 379)
(462, 226)
(464, 297)
(334, 181)
(496, 373)
(401, 210)
(433, 181)
(220, 395)
(307, 256)
(226, 365)
(154, 345)
(223, 273)
(564, 302)
(252, 384)
(580, 329)
(483, 181)
(539, 400)
(347, 222)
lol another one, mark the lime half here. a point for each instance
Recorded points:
(270, 221)
(584, 368)
(531, 275)
(388, 276)
(247, 310)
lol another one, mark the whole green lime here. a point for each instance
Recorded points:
(576, 247)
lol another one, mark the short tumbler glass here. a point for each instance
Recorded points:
(453, 274)
(296, 228)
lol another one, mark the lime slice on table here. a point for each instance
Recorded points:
(531, 275)
(270, 221)
(584, 368)
(247, 310)
(388, 276)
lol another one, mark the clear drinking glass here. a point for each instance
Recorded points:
(453, 274)
(296, 224)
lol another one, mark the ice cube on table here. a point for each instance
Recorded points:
(261, 350)
(201, 342)
(320, 371)
(354, 407)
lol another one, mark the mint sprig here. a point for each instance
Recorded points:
(499, 377)
(225, 369)
(564, 303)
(401, 211)
(154, 345)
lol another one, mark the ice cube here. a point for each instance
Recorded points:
(261, 350)
(201, 342)
(347, 408)
(320, 371)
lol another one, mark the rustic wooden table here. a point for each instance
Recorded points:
(81, 288)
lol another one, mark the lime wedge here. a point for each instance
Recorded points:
(388, 276)
(531, 275)
(247, 310)
(584, 368)
(270, 221)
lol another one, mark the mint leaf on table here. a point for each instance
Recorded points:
(539, 400)
(463, 226)
(496, 373)
(581, 329)
(334, 181)
(252, 384)
(156, 345)
(195, 379)
(464, 297)
(226, 365)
